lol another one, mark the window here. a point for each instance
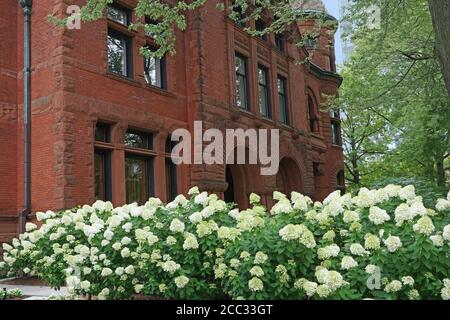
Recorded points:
(102, 132)
(310, 41)
(242, 99)
(279, 42)
(155, 71)
(263, 90)
(335, 128)
(260, 26)
(119, 14)
(171, 171)
(138, 166)
(312, 116)
(282, 100)
(240, 16)
(136, 139)
(148, 33)
(102, 163)
(340, 181)
(119, 53)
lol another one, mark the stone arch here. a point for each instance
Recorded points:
(242, 178)
(289, 177)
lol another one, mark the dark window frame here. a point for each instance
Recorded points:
(260, 25)
(104, 148)
(148, 139)
(119, 7)
(266, 88)
(106, 155)
(113, 33)
(283, 96)
(245, 78)
(313, 123)
(162, 69)
(335, 128)
(149, 160)
(280, 43)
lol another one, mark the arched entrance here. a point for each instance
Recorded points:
(289, 177)
(242, 180)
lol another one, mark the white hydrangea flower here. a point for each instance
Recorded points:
(181, 281)
(170, 240)
(190, 242)
(442, 204)
(371, 269)
(194, 190)
(234, 214)
(260, 258)
(372, 242)
(127, 227)
(403, 213)
(30, 227)
(125, 241)
(106, 272)
(282, 206)
(255, 284)
(85, 285)
(328, 252)
(125, 252)
(407, 193)
(424, 226)
(392, 190)
(393, 286)
(256, 271)
(176, 226)
(350, 216)
(254, 199)
(418, 209)
(196, 217)
(408, 281)
(129, 270)
(378, 216)
(446, 232)
(438, 240)
(445, 291)
(170, 266)
(358, 250)
(310, 288)
(348, 263)
(393, 243)
(202, 199)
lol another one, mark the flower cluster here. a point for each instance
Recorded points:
(346, 247)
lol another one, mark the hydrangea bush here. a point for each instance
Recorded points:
(378, 244)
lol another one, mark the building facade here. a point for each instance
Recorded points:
(102, 115)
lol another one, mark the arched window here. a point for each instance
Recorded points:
(171, 171)
(312, 115)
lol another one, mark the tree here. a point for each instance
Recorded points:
(167, 17)
(394, 75)
(440, 12)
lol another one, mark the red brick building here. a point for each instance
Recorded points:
(102, 114)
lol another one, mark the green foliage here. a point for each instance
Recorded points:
(396, 109)
(201, 248)
(169, 18)
(10, 294)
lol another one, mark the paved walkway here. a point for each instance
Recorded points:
(36, 292)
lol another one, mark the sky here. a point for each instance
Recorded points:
(333, 9)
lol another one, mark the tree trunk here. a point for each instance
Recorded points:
(356, 174)
(440, 173)
(440, 12)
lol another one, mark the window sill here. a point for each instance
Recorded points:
(124, 79)
(336, 146)
(317, 135)
(159, 90)
(121, 28)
